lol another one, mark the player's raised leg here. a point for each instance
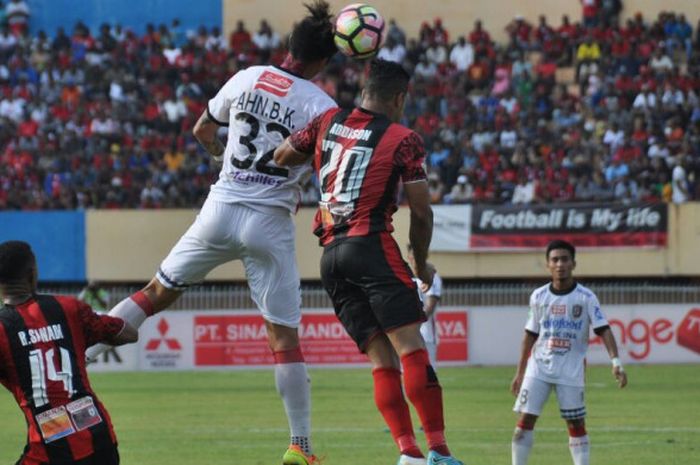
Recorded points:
(136, 308)
(206, 245)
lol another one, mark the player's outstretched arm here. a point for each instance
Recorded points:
(205, 131)
(421, 229)
(286, 155)
(618, 371)
(526, 347)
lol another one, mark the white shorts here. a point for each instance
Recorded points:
(534, 393)
(264, 242)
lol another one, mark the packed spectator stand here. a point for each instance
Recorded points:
(604, 109)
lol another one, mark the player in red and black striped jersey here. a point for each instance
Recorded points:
(360, 156)
(42, 363)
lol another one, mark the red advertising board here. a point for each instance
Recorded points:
(452, 329)
(241, 340)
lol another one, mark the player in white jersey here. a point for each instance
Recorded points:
(248, 213)
(553, 354)
(430, 298)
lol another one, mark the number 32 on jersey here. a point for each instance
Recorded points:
(263, 163)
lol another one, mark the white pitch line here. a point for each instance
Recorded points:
(594, 429)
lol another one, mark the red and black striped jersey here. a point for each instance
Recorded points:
(42, 363)
(359, 158)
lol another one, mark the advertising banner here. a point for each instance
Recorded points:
(451, 228)
(191, 340)
(186, 340)
(496, 227)
(645, 334)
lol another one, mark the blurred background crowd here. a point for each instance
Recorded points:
(596, 108)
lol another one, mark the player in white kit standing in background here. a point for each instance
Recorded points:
(248, 213)
(553, 354)
(430, 298)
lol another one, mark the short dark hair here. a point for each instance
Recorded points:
(16, 261)
(560, 244)
(386, 79)
(312, 38)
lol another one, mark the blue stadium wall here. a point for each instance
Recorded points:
(58, 240)
(135, 14)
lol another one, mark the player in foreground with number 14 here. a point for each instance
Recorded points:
(42, 363)
(248, 213)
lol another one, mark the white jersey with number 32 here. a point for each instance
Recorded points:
(562, 322)
(262, 105)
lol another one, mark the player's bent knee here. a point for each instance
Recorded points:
(281, 338)
(525, 422)
(160, 296)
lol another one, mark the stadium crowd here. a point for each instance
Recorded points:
(605, 109)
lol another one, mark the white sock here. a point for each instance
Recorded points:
(580, 449)
(521, 445)
(294, 387)
(127, 310)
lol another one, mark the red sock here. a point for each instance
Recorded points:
(425, 393)
(388, 396)
(577, 431)
(142, 301)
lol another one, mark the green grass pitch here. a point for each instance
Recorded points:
(217, 418)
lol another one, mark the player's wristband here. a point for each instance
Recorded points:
(616, 363)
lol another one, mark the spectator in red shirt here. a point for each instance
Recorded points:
(240, 39)
(478, 34)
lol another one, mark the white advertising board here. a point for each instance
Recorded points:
(187, 340)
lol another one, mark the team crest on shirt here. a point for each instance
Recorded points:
(577, 311)
(274, 83)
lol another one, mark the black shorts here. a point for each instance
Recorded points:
(371, 286)
(109, 456)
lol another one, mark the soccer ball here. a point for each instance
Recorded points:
(359, 30)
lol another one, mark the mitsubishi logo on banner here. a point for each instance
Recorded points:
(161, 351)
(170, 343)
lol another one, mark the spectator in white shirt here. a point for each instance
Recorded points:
(17, 14)
(462, 55)
(659, 150)
(645, 100)
(524, 191)
(436, 53)
(215, 40)
(266, 39)
(8, 42)
(392, 51)
(679, 178)
(174, 110)
(461, 192)
(661, 62)
(425, 69)
(614, 137)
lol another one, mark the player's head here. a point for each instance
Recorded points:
(561, 259)
(311, 41)
(17, 266)
(386, 88)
